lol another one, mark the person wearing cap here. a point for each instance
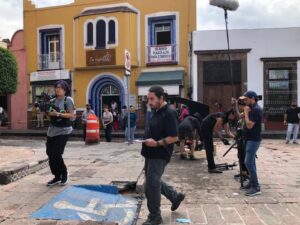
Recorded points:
(252, 135)
(213, 123)
(157, 149)
(88, 111)
(291, 120)
(188, 130)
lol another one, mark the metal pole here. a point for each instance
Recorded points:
(228, 52)
(128, 108)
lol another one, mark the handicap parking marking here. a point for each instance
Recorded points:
(79, 203)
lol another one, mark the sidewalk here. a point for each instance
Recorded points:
(216, 199)
(88, 165)
(115, 134)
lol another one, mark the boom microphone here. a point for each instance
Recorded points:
(231, 5)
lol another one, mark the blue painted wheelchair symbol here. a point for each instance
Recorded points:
(89, 204)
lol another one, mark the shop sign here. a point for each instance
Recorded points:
(161, 54)
(101, 57)
(50, 75)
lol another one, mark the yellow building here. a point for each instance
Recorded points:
(84, 43)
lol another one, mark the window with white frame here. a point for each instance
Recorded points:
(101, 33)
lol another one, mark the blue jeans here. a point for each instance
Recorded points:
(131, 135)
(251, 149)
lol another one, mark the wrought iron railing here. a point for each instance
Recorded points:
(50, 61)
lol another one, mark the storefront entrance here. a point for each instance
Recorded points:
(109, 96)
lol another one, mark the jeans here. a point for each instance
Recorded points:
(130, 136)
(154, 169)
(108, 131)
(207, 136)
(292, 128)
(251, 149)
(40, 119)
(55, 147)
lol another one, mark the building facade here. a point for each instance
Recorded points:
(84, 43)
(264, 60)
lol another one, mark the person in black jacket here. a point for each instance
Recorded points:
(188, 130)
(214, 123)
(160, 136)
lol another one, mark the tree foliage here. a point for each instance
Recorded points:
(8, 72)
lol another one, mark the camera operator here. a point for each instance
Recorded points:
(252, 136)
(61, 112)
(214, 123)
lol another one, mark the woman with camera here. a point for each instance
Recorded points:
(61, 113)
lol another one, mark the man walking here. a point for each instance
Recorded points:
(252, 136)
(291, 119)
(88, 111)
(157, 149)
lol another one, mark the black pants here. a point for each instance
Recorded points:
(108, 131)
(207, 136)
(55, 147)
(84, 132)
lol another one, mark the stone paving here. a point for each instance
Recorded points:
(93, 164)
(210, 198)
(216, 199)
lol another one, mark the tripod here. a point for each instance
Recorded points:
(239, 144)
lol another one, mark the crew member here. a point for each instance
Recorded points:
(188, 130)
(61, 113)
(252, 135)
(157, 149)
(214, 122)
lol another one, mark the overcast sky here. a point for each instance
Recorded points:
(250, 14)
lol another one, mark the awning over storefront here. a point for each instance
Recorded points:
(160, 78)
(169, 80)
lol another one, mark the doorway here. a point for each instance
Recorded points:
(109, 94)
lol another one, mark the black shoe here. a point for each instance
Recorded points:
(64, 178)
(156, 221)
(183, 157)
(247, 186)
(54, 181)
(177, 201)
(214, 171)
(192, 157)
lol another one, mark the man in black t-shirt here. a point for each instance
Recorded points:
(291, 119)
(214, 122)
(160, 136)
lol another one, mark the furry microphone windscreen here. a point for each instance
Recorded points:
(231, 5)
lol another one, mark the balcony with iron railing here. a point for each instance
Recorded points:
(161, 54)
(51, 61)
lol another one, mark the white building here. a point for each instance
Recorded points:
(264, 60)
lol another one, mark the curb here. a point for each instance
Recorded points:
(15, 172)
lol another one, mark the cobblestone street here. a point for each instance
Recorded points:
(216, 199)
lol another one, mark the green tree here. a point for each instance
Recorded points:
(8, 72)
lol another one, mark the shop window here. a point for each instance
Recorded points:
(280, 89)
(90, 34)
(111, 32)
(101, 34)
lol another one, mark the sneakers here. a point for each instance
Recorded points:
(192, 157)
(156, 221)
(215, 170)
(54, 181)
(247, 186)
(183, 157)
(177, 201)
(253, 191)
(64, 178)
(287, 141)
(295, 143)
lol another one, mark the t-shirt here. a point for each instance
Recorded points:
(293, 115)
(190, 123)
(56, 131)
(107, 117)
(163, 123)
(133, 118)
(85, 115)
(210, 121)
(255, 115)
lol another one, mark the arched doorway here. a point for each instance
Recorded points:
(103, 90)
